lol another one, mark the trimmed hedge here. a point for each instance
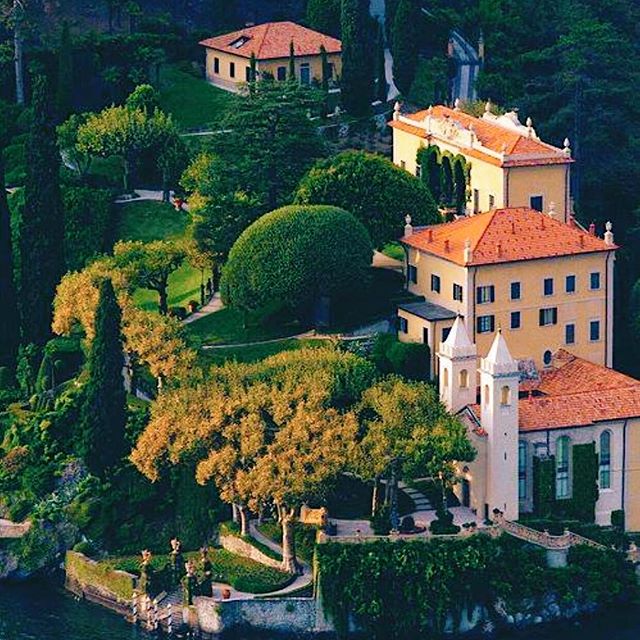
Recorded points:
(294, 256)
(99, 574)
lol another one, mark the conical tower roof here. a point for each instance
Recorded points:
(458, 344)
(499, 360)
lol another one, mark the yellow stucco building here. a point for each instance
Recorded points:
(228, 56)
(510, 165)
(547, 284)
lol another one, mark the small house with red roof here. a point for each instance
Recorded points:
(228, 62)
(546, 283)
(509, 165)
(563, 439)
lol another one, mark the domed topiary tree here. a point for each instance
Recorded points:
(294, 256)
(376, 191)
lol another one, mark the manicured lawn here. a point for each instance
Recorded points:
(241, 573)
(226, 327)
(193, 102)
(253, 353)
(148, 221)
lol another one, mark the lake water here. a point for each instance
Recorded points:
(42, 612)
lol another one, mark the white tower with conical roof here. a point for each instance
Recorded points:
(457, 369)
(499, 380)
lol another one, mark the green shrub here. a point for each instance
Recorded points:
(62, 360)
(86, 548)
(443, 524)
(295, 256)
(381, 521)
(408, 359)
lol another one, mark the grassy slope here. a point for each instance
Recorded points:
(192, 101)
(253, 353)
(147, 221)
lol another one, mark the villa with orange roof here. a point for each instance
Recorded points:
(229, 55)
(564, 439)
(509, 165)
(547, 284)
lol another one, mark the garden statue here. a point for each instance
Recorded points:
(146, 571)
(177, 560)
(207, 573)
(189, 584)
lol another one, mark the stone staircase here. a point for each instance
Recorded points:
(420, 501)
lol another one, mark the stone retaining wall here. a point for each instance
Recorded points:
(243, 548)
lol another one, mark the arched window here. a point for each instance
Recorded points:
(546, 358)
(505, 395)
(445, 378)
(486, 394)
(563, 446)
(605, 460)
(464, 379)
(522, 470)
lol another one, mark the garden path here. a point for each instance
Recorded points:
(214, 304)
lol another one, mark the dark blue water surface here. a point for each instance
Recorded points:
(43, 612)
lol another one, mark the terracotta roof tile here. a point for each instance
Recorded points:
(272, 39)
(504, 235)
(493, 136)
(577, 393)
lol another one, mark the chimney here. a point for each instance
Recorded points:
(592, 229)
(529, 127)
(513, 227)
(430, 235)
(499, 249)
(468, 253)
(408, 227)
(608, 234)
(487, 106)
(456, 104)
(446, 246)
(582, 240)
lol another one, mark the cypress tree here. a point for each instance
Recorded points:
(252, 67)
(292, 62)
(102, 425)
(357, 67)
(41, 227)
(381, 71)
(9, 319)
(325, 80)
(405, 44)
(446, 181)
(460, 183)
(64, 88)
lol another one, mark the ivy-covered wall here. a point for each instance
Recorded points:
(584, 488)
(409, 588)
(448, 176)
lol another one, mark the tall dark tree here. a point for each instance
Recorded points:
(324, 16)
(405, 43)
(9, 319)
(102, 426)
(291, 75)
(357, 61)
(41, 227)
(324, 81)
(64, 88)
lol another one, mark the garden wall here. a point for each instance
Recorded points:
(242, 548)
(89, 579)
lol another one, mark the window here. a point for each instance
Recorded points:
(522, 470)
(562, 467)
(412, 274)
(236, 44)
(425, 335)
(605, 460)
(445, 333)
(570, 333)
(515, 291)
(548, 286)
(485, 324)
(492, 201)
(536, 202)
(216, 65)
(457, 292)
(305, 73)
(515, 319)
(464, 379)
(282, 73)
(485, 294)
(548, 316)
(232, 69)
(505, 395)
(594, 281)
(546, 358)
(594, 330)
(476, 201)
(435, 283)
(331, 70)
(570, 284)
(403, 324)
